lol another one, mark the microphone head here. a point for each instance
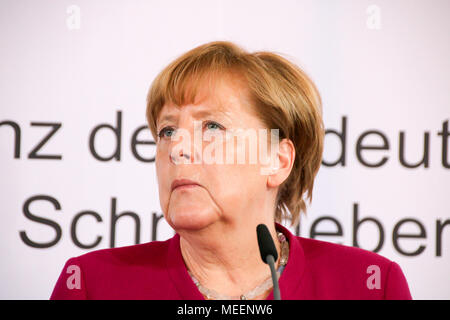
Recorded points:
(265, 243)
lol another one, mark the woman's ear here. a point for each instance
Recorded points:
(286, 157)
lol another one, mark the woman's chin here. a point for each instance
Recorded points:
(191, 218)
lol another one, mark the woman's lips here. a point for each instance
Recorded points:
(183, 184)
(186, 186)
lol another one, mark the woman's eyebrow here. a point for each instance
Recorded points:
(205, 113)
(196, 114)
(168, 117)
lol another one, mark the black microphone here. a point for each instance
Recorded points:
(269, 255)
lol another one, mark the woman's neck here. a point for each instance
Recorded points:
(225, 258)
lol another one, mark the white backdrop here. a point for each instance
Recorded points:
(382, 68)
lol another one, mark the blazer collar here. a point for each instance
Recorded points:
(178, 272)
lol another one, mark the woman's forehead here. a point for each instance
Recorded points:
(226, 98)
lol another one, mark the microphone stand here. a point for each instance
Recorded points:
(276, 288)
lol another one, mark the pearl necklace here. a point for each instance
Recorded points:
(267, 284)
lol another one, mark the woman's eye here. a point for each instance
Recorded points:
(166, 132)
(213, 125)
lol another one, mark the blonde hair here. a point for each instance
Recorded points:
(284, 97)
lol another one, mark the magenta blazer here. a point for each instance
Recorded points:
(156, 270)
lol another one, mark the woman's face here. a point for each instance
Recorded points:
(228, 192)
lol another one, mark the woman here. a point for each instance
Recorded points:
(205, 111)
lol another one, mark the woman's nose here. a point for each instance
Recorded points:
(181, 146)
(186, 145)
(180, 156)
